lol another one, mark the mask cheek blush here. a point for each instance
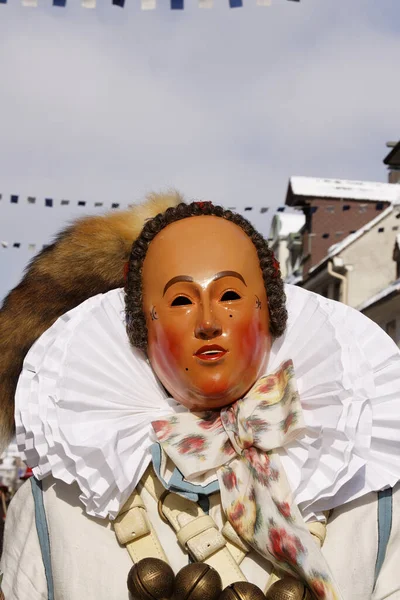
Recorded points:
(254, 340)
(165, 350)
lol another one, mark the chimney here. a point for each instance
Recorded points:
(392, 161)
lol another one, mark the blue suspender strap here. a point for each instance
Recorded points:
(43, 534)
(385, 508)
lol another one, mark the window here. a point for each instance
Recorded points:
(325, 235)
(381, 229)
(379, 206)
(48, 202)
(346, 207)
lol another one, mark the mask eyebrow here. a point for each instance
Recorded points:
(176, 280)
(222, 274)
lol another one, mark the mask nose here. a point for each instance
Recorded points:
(207, 327)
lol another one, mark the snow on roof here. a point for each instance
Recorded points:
(337, 248)
(392, 288)
(343, 188)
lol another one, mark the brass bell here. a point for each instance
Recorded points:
(197, 581)
(242, 590)
(151, 579)
(289, 588)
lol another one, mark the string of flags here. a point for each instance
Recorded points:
(51, 202)
(148, 4)
(47, 202)
(36, 247)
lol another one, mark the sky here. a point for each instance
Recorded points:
(222, 104)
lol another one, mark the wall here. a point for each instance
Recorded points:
(387, 315)
(371, 260)
(332, 221)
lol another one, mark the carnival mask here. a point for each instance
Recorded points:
(206, 311)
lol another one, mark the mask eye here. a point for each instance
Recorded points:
(229, 296)
(181, 301)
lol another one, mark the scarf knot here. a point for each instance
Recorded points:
(239, 442)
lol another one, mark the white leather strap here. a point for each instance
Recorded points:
(196, 531)
(134, 530)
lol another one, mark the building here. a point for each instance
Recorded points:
(362, 265)
(350, 242)
(384, 307)
(333, 210)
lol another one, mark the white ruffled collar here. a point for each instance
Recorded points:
(85, 402)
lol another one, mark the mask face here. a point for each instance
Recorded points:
(206, 312)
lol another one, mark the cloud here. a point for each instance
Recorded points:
(222, 104)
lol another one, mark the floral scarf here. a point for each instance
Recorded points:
(239, 442)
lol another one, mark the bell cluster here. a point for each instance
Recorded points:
(153, 579)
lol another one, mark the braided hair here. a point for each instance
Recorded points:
(135, 318)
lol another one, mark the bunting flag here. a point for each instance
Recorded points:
(152, 4)
(22, 246)
(48, 202)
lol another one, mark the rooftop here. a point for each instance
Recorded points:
(306, 187)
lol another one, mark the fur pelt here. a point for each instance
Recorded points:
(85, 259)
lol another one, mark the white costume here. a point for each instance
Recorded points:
(84, 407)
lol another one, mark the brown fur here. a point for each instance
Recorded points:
(86, 259)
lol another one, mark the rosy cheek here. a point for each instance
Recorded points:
(252, 338)
(166, 347)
